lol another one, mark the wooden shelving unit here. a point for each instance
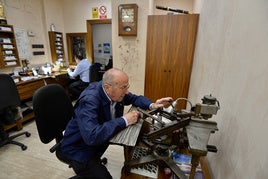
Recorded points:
(19, 124)
(9, 56)
(56, 46)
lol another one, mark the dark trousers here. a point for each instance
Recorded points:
(91, 170)
(76, 88)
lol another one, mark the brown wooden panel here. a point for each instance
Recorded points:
(7, 33)
(56, 45)
(27, 89)
(61, 79)
(169, 56)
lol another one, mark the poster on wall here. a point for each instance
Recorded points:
(102, 53)
(106, 48)
(23, 44)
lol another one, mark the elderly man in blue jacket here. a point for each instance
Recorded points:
(98, 116)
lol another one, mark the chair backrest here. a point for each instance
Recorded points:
(52, 109)
(94, 72)
(9, 95)
(9, 100)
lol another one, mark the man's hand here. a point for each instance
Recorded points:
(163, 102)
(132, 117)
(72, 68)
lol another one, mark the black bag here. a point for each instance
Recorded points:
(8, 115)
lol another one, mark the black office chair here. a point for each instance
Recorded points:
(52, 109)
(95, 75)
(9, 101)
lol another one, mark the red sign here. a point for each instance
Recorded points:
(102, 10)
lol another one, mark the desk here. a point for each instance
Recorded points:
(27, 88)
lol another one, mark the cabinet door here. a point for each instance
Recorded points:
(169, 56)
(156, 56)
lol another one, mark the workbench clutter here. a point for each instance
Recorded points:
(167, 132)
(48, 68)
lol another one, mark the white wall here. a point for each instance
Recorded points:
(176, 4)
(29, 16)
(231, 63)
(129, 53)
(77, 12)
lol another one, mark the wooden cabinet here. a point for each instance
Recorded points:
(9, 56)
(169, 56)
(56, 46)
(26, 89)
(75, 42)
(62, 79)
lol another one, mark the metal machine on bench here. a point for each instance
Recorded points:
(172, 129)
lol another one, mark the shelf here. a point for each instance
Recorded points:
(8, 44)
(56, 45)
(19, 123)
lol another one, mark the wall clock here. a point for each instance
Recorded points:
(127, 19)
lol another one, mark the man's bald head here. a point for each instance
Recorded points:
(114, 76)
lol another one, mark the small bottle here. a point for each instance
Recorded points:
(167, 173)
(52, 27)
(34, 72)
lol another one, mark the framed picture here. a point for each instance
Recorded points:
(75, 42)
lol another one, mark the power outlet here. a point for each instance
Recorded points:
(31, 33)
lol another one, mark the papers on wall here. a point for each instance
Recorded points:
(102, 52)
(23, 44)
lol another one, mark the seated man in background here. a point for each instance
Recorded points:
(81, 71)
(98, 116)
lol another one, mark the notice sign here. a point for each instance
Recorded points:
(95, 13)
(106, 48)
(103, 12)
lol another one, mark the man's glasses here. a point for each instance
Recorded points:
(123, 88)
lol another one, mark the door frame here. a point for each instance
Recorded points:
(70, 45)
(90, 36)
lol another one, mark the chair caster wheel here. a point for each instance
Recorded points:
(28, 134)
(24, 147)
(104, 161)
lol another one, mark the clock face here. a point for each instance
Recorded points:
(127, 15)
(127, 19)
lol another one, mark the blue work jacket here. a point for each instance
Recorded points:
(88, 133)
